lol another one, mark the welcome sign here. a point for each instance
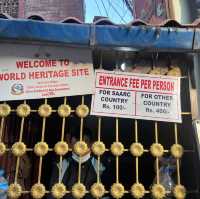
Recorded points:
(25, 77)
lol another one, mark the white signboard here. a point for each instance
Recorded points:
(26, 77)
(139, 96)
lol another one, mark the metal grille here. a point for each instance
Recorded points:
(117, 149)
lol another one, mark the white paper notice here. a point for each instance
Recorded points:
(26, 72)
(139, 96)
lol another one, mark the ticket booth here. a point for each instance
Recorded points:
(35, 131)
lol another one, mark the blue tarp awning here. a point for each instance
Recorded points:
(141, 37)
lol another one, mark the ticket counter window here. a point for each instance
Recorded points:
(133, 155)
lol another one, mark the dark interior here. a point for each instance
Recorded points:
(190, 163)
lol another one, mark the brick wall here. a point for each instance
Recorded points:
(54, 10)
(9, 7)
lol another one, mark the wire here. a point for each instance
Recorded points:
(129, 9)
(124, 14)
(117, 12)
(104, 7)
(129, 5)
(117, 3)
(98, 7)
(109, 6)
(125, 11)
(134, 11)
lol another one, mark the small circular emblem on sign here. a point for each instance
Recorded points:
(17, 89)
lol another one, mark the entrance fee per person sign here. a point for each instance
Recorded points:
(139, 96)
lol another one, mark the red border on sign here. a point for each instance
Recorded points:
(120, 89)
(151, 77)
(168, 78)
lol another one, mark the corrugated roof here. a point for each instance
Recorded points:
(103, 33)
(106, 21)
